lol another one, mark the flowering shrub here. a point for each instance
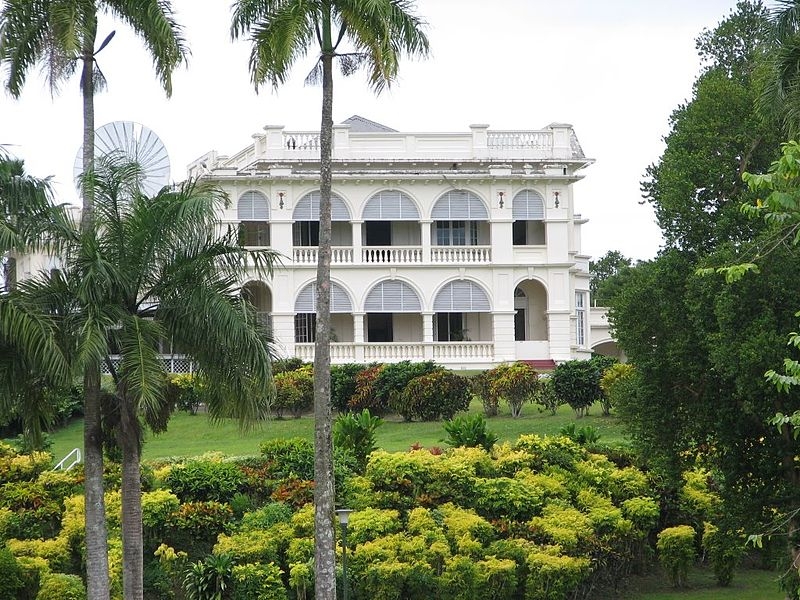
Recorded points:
(517, 383)
(294, 391)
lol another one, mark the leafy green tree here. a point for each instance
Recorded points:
(604, 272)
(696, 187)
(378, 33)
(150, 270)
(61, 35)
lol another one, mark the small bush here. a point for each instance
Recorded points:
(439, 394)
(282, 365)
(470, 431)
(517, 383)
(577, 383)
(355, 433)
(57, 586)
(554, 577)
(11, 578)
(585, 435)
(343, 384)
(294, 392)
(724, 549)
(209, 579)
(203, 480)
(676, 552)
(546, 396)
(258, 582)
(266, 516)
(611, 377)
(186, 390)
(482, 389)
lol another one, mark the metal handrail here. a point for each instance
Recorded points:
(60, 466)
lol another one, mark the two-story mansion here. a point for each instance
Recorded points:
(460, 247)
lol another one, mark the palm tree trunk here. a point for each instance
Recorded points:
(324, 541)
(132, 553)
(97, 581)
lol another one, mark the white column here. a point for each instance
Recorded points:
(503, 326)
(427, 335)
(357, 243)
(426, 241)
(358, 336)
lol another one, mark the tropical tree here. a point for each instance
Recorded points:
(372, 34)
(154, 271)
(61, 35)
(29, 354)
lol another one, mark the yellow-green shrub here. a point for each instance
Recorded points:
(157, 507)
(628, 482)
(55, 551)
(34, 570)
(554, 577)
(563, 525)
(676, 552)
(459, 522)
(58, 586)
(696, 499)
(303, 521)
(642, 512)
(249, 546)
(258, 582)
(371, 523)
(24, 467)
(550, 450)
(500, 497)
(508, 461)
(606, 519)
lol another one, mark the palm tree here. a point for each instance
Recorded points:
(150, 271)
(29, 354)
(61, 35)
(779, 101)
(377, 32)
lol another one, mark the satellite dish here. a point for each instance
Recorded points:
(136, 143)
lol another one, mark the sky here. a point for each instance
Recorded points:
(615, 70)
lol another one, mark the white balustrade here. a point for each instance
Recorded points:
(308, 255)
(398, 255)
(461, 254)
(463, 351)
(393, 351)
(519, 139)
(342, 352)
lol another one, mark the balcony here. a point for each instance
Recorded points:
(441, 352)
(470, 255)
(309, 255)
(392, 255)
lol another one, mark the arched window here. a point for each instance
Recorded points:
(528, 211)
(461, 296)
(253, 206)
(390, 205)
(392, 297)
(305, 231)
(307, 208)
(461, 205)
(253, 213)
(528, 205)
(307, 299)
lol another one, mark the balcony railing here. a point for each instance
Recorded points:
(461, 254)
(173, 363)
(463, 351)
(396, 255)
(396, 351)
(308, 255)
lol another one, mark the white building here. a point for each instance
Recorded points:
(459, 247)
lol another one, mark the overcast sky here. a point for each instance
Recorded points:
(614, 69)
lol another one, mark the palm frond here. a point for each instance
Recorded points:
(383, 30)
(154, 22)
(280, 32)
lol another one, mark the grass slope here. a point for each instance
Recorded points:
(747, 584)
(190, 435)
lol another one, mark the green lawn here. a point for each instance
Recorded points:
(749, 584)
(194, 435)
